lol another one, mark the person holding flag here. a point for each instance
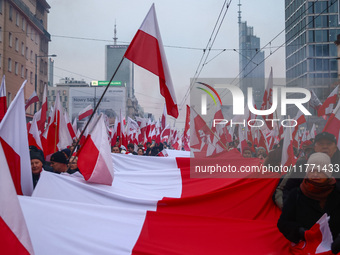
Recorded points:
(305, 205)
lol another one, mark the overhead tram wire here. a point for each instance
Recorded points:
(207, 48)
(279, 47)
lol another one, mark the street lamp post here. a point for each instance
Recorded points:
(36, 74)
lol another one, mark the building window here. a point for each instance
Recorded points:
(17, 18)
(10, 39)
(26, 74)
(16, 44)
(10, 12)
(9, 98)
(31, 77)
(26, 53)
(22, 71)
(36, 38)
(1, 6)
(31, 56)
(0, 60)
(22, 49)
(32, 34)
(16, 68)
(27, 30)
(23, 24)
(0, 33)
(9, 65)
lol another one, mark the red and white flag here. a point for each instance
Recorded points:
(268, 98)
(328, 106)
(333, 124)
(43, 113)
(300, 119)
(94, 157)
(146, 50)
(57, 135)
(314, 101)
(15, 238)
(14, 141)
(288, 157)
(3, 99)
(318, 239)
(33, 99)
(88, 110)
(34, 136)
(69, 125)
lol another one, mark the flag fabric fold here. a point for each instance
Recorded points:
(32, 99)
(15, 144)
(15, 238)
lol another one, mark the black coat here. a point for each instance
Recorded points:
(302, 211)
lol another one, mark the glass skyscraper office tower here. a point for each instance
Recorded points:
(311, 28)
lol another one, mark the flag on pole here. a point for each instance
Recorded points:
(333, 124)
(146, 50)
(268, 98)
(3, 99)
(15, 238)
(314, 101)
(34, 136)
(41, 121)
(33, 99)
(88, 110)
(14, 141)
(288, 157)
(328, 105)
(94, 157)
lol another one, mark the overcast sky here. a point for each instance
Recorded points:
(183, 24)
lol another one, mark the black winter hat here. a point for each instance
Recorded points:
(61, 156)
(327, 136)
(37, 155)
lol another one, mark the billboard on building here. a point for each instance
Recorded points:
(113, 102)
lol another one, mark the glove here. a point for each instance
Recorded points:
(302, 231)
(336, 245)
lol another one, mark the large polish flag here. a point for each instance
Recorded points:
(13, 138)
(3, 99)
(153, 204)
(328, 106)
(94, 157)
(87, 111)
(146, 50)
(14, 234)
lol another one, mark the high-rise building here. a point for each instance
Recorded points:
(125, 74)
(251, 61)
(311, 29)
(24, 46)
(113, 55)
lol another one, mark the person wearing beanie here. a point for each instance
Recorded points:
(306, 204)
(37, 161)
(59, 161)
